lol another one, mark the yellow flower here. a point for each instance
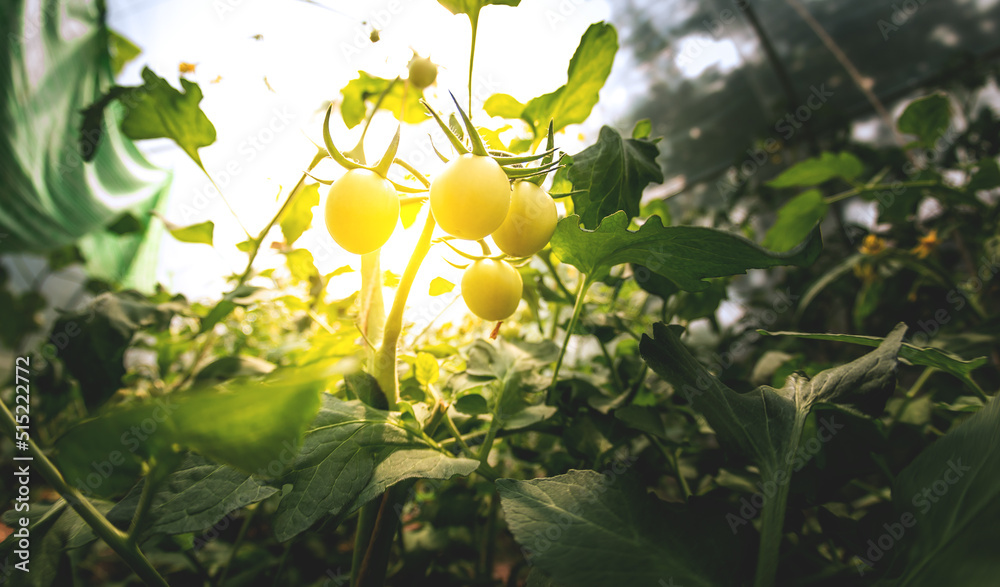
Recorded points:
(186, 67)
(926, 245)
(865, 272)
(872, 245)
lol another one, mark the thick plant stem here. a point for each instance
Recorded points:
(773, 516)
(113, 537)
(373, 566)
(142, 510)
(581, 292)
(384, 367)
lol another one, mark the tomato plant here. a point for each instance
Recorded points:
(791, 384)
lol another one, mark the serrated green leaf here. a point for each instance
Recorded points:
(796, 219)
(299, 216)
(817, 170)
(426, 369)
(947, 508)
(583, 531)
(687, 255)
(927, 118)
(351, 454)
(301, 265)
(367, 88)
(923, 356)
(157, 110)
(612, 174)
(196, 496)
(440, 285)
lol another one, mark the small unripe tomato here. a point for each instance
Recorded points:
(361, 211)
(530, 222)
(470, 197)
(491, 289)
(423, 72)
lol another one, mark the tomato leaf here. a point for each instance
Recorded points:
(351, 454)
(367, 88)
(796, 219)
(299, 216)
(948, 537)
(612, 174)
(818, 170)
(927, 118)
(687, 255)
(504, 106)
(426, 369)
(157, 110)
(122, 51)
(201, 233)
(472, 7)
(246, 423)
(196, 496)
(440, 285)
(642, 539)
(923, 356)
(301, 265)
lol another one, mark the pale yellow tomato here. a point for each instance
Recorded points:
(491, 289)
(470, 197)
(361, 211)
(530, 221)
(423, 72)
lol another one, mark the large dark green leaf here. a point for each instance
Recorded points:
(687, 255)
(253, 424)
(584, 531)
(51, 197)
(947, 521)
(194, 497)
(611, 175)
(350, 455)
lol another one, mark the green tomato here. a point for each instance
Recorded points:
(491, 289)
(470, 197)
(423, 72)
(530, 222)
(361, 211)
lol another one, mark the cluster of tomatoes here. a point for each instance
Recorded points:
(472, 198)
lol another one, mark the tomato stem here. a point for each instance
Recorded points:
(581, 292)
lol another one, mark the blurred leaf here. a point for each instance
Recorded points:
(817, 170)
(247, 423)
(351, 454)
(367, 88)
(472, 404)
(796, 219)
(64, 257)
(21, 316)
(229, 367)
(299, 216)
(492, 137)
(687, 255)
(201, 233)
(949, 534)
(440, 285)
(612, 174)
(365, 388)
(986, 177)
(426, 369)
(301, 265)
(642, 129)
(127, 223)
(613, 533)
(122, 51)
(927, 118)
(504, 106)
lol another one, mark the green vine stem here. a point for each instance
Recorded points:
(581, 292)
(773, 517)
(116, 539)
(384, 366)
